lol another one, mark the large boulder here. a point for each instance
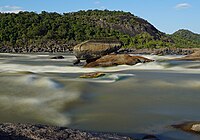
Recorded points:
(93, 49)
(117, 59)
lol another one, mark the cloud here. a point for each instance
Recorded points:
(10, 9)
(182, 6)
(97, 2)
(100, 6)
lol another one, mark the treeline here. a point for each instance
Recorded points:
(185, 38)
(32, 30)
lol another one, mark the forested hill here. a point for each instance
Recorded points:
(53, 32)
(186, 38)
(29, 31)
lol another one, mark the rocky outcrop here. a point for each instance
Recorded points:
(126, 23)
(117, 59)
(10, 131)
(90, 50)
(192, 57)
(193, 127)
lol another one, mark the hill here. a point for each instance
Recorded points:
(53, 32)
(185, 38)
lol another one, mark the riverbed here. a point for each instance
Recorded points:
(133, 100)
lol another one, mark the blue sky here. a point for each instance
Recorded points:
(166, 15)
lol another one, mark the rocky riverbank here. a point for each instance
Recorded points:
(191, 57)
(36, 47)
(55, 47)
(161, 51)
(9, 131)
(18, 131)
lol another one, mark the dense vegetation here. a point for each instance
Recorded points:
(186, 38)
(29, 29)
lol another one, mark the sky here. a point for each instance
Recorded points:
(166, 15)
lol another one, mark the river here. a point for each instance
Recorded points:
(134, 100)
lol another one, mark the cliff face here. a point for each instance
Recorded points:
(128, 24)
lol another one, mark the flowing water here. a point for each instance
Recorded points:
(133, 100)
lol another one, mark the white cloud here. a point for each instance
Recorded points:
(182, 6)
(97, 2)
(10, 9)
(100, 6)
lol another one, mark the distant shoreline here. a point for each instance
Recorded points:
(147, 51)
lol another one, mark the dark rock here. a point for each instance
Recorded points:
(150, 137)
(193, 127)
(57, 57)
(77, 61)
(9, 131)
(117, 59)
(6, 49)
(90, 50)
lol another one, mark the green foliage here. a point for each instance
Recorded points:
(21, 29)
(144, 40)
(27, 28)
(185, 38)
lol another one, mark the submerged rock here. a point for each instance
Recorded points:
(193, 127)
(93, 49)
(150, 137)
(57, 57)
(117, 59)
(9, 131)
(93, 75)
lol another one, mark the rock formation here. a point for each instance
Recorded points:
(193, 127)
(91, 50)
(117, 59)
